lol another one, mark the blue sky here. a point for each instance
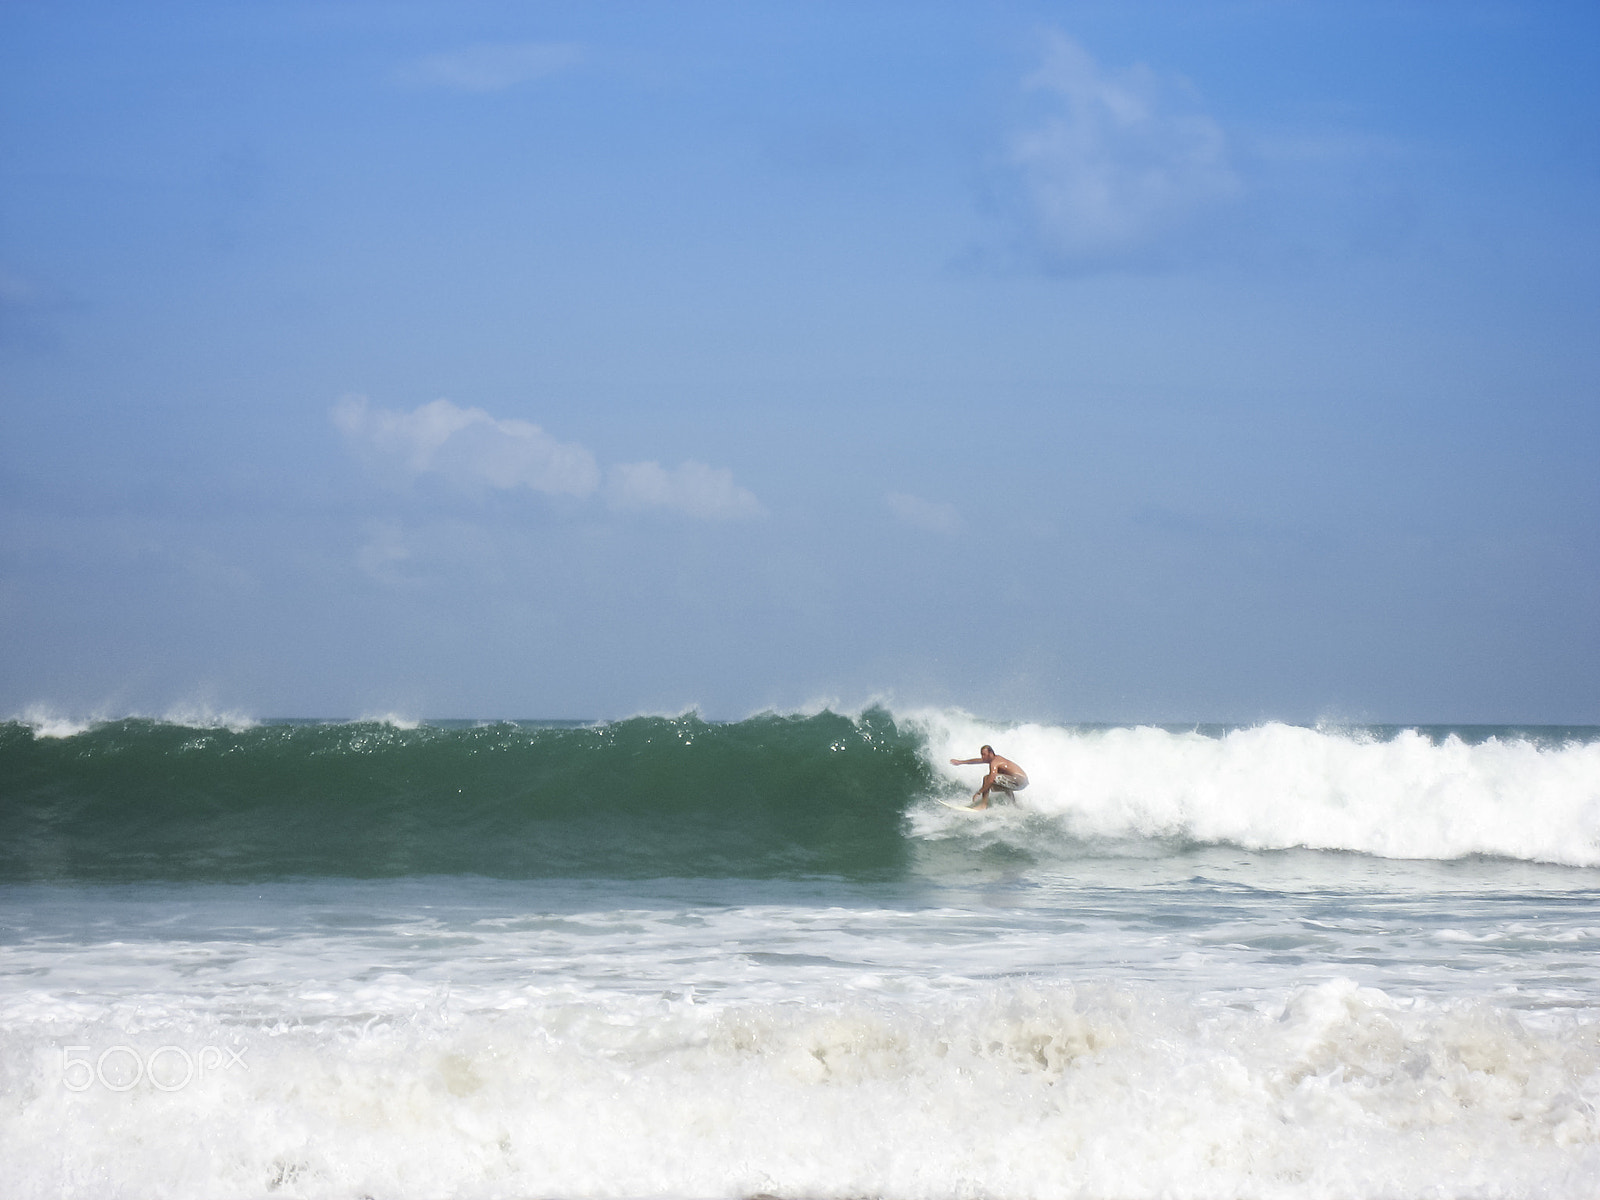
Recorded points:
(1200, 361)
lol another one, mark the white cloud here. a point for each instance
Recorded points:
(492, 67)
(474, 451)
(691, 487)
(929, 515)
(1121, 163)
(468, 447)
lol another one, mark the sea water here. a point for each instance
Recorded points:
(665, 957)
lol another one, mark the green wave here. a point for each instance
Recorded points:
(771, 796)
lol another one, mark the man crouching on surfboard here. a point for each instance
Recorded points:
(1004, 776)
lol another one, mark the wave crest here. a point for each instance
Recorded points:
(1403, 793)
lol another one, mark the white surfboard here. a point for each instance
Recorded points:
(966, 808)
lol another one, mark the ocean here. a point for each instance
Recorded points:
(666, 957)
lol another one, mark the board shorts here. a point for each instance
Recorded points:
(1010, 783)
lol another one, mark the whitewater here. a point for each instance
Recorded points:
(666, 957)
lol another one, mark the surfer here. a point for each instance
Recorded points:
(1004, 776)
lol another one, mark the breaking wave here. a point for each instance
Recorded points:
(771, 796)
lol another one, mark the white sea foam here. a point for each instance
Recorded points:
(1278, 786)
(391, 719)
(203, 716)
(46, 722)
(418, 1038)
(1023, 1090)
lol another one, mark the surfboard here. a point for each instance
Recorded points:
(966, 808)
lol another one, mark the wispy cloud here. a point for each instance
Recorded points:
(475, 452)
(468, 447)
(931, 516)
(492, 67)
(1121, 162)
(692, 488)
